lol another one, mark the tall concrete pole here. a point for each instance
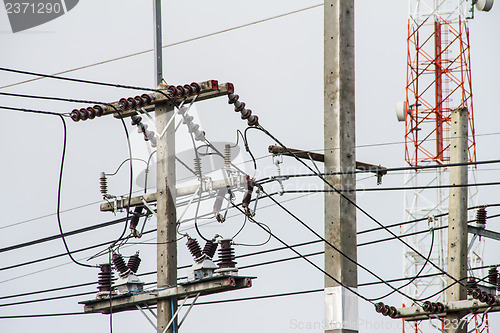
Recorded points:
(166, 255)
(158, 41)
(166, 214)
(457, 218)
(341, 306)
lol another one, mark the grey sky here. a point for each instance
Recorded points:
(277, 69)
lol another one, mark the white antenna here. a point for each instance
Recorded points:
(484, 5)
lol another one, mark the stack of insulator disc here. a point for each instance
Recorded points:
(471, 285)
(481, 215)
(227, 156)
(134, 262)
(226, 255)
(493, 275)
(103, 184)
(197, 167)
(136, 215)
(120, 264)
(210, 248)
(105, 278)
(194, 247)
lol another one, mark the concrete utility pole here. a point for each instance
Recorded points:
(166, 252)
(457, 220)
(158, 40)
(341, 306)
(166, 214)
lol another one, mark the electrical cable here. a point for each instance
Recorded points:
(44, 315)
(247, 148)
(131, 181)
(336, 248)
(264, 226)
(119, 167)
(260, 128)
(351, 289)
(34, 111)
(418, 273)
(217, 152)
(186, 266)
(61, 170)
(423, 167)
(126, 134)
(90, 204)
(146, 172)
(378, 189)
(74, 251)
(200, 176)
(146, 51)
(109, 223)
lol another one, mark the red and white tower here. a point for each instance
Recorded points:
(438, 80)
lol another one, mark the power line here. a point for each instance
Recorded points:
(168, 45)
(305, 258)
(33, 111)
(423, 167)
(44, 315)
(335, 248)
(262, 129)
(378, 189)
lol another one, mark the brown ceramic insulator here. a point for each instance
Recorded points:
(254, 121)
(233, 99)
(172, 90)
(393, 313)
(134, 262)
(119, 264)
(440, 307)
(105, 277)
(123, 103)
(481, 215)
(483, 296)
(134, 220)
(246, 114)
(196, 87)
(386, 310)
(84, 114)
(210, 248)
(136, 119)
(379, 307)
(189, 90)
(493, 275)
(91, 112)
(180, 90)
(427, 306)
(147, 99)
(132, 102)
(471, 285)
(248, 194)
(139, 101)
(240, 107)
(99, 110)
(75, 115)
(491, 299)
(226, 255)
(194, 247)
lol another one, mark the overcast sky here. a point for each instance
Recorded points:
(277, 69)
